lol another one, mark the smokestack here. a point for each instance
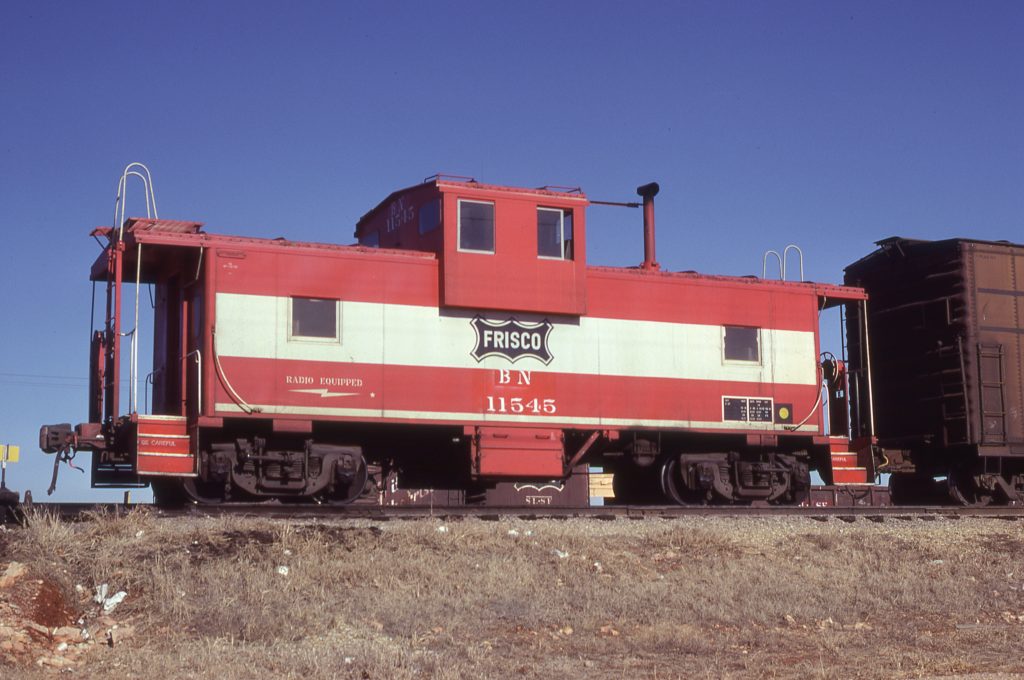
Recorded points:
(648, 192)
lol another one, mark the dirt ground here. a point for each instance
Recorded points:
(706, 598)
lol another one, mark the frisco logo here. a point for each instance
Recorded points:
(511, 339)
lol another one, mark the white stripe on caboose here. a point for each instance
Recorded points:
(257, 326)
(456, 417)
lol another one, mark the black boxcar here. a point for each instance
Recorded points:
(945, 353)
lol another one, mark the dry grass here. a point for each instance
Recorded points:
(686, 598)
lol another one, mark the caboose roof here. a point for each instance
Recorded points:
(179, 236)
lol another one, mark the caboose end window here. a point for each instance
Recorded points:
(314, 319)
(554, 233)
(370, 239)
(430, 216)
(476, 226)
(741, 343)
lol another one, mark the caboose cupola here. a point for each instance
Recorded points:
(499, 248)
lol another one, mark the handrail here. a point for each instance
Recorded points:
(785, 256)
(782, 261)
(224, 378)
(199, 379)
(561, 188)
(764, 264)
(139, 170)
(441, 176)
(132, 387)
(133, 369)
(122, 194)
(148, 382)
(867, 355)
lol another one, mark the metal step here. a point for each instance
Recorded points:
(849, 475)
(844, 459)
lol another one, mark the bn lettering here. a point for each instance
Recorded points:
(506, 377)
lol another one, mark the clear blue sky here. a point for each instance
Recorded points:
(825, 124)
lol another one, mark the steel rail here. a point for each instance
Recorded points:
(85, 511)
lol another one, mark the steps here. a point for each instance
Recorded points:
(844, 465)
(163, 446)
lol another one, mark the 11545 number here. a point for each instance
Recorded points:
(521, 405)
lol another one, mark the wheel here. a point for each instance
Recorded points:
(203, 493)
(964, 490)
(349, 488)
(674, 488)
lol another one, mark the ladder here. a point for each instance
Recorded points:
(993, 409)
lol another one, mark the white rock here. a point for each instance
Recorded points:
(561, 554)
(14, 571)
(101, 593)
(442, 529)
(283, 570)
(513, 532)
(111, 602)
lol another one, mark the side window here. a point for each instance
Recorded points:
(476, 226)
(314, 319)
(741, 343)
(370, 240)
(430, 216)
(554, 233)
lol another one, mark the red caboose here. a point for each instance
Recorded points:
(463, 351)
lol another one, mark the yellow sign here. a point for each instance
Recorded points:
(601, 485)
(9, 454)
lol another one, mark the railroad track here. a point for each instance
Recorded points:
(80, 511)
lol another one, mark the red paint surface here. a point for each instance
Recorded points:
(841, 460)
(518, 452)
(618, 294)
(465, 390)
(165, 465)
(157, 444)
(163, 446)
(160, 427)
(513, 279)
(857, 475)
